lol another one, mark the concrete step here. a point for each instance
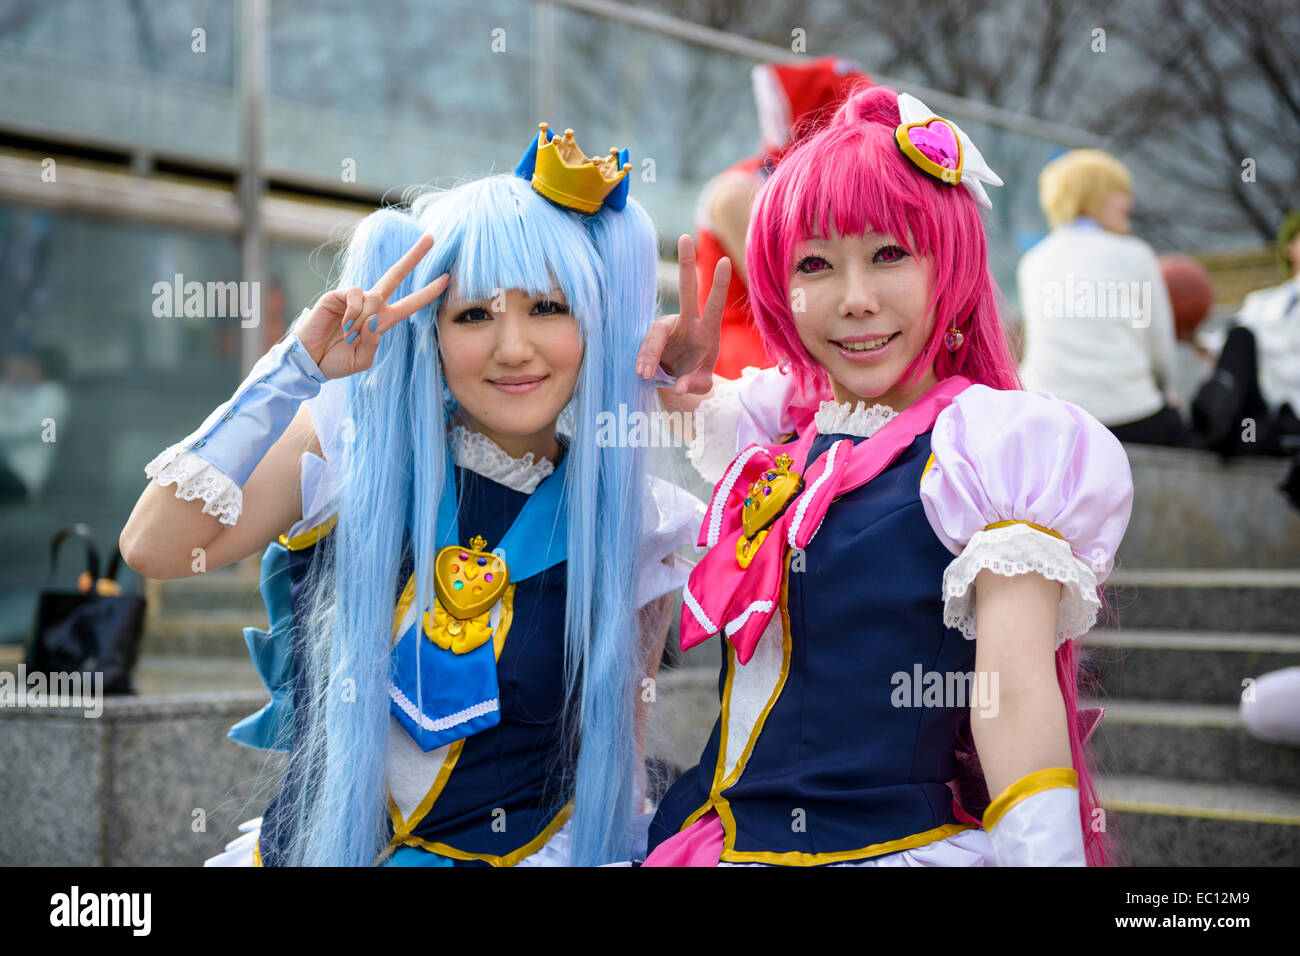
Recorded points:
(1221, 599)
(1193, 666)
(227, 589)
(1157, 821)
(201, 635)
(204, 616)
(1192, 510)
(1204, 743)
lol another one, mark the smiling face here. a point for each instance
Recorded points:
(860, 305)
(512, 370)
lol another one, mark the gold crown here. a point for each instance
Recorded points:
(477, 543)
(783, 462)
(566, 175)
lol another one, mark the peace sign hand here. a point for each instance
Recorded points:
(686, 344)
(342, 332)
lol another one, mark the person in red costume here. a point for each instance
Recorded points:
(792, 99)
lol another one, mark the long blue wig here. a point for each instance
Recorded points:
(492, 234)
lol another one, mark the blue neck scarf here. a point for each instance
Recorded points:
(439, 696)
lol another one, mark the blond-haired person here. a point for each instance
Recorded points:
(1099, 329)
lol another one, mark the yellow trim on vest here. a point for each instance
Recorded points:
(257, 853)
(718, 801)
(504, 621)
(307, 538)
(797, 858)
(402, 828)
(403, 605)
(720, 784)
(1039, 527)
(509, 859)
(928, 462)
(1049, 778)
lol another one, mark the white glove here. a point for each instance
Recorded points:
(1035, 821)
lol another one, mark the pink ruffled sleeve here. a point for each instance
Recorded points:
(1023, 482)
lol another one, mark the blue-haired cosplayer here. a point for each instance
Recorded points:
(457, 635)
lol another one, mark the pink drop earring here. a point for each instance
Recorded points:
(953, 339)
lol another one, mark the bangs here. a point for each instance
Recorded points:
(852, 187)
(498, 233)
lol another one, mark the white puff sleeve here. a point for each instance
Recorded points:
(737, 413)
(670, 520)
(1023, 482)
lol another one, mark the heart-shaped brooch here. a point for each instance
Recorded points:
(467, 582)
(765, 501)
(934, 147)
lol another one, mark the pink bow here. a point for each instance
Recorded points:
(723, 596)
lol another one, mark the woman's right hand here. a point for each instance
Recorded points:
(343, 329)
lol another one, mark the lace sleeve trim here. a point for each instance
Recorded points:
(196, 478)
(1020, 549)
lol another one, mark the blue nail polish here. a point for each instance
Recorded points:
(349, 339)
(374, 323)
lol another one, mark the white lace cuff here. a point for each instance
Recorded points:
(195, 477)
(483, 456)
(1019, 549)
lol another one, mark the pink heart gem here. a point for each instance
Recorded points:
(937, 142)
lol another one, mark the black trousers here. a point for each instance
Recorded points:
(1165, 427)
(1229, 413)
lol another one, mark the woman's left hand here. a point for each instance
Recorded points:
(686, 344)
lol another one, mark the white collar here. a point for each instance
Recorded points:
(848, 418)
(485, 457)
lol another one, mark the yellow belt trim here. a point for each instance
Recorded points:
(1049, 778)
(310, 537)
(1039, 527)
(797, 858)
(719, 802)
(509, 859)
(928, 462)
(257, 853)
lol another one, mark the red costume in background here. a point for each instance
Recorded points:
(792, 98)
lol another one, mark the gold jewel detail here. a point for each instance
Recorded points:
(467, 582)
(766, 499)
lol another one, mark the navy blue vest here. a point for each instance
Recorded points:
(518, 772)
(838, 772)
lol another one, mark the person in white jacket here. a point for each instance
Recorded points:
(1099, 329)
(1251, 405)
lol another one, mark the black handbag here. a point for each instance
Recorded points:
(93, 627)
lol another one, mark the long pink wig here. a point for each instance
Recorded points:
(851, 178)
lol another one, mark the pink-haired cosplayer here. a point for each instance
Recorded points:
(895, 583)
